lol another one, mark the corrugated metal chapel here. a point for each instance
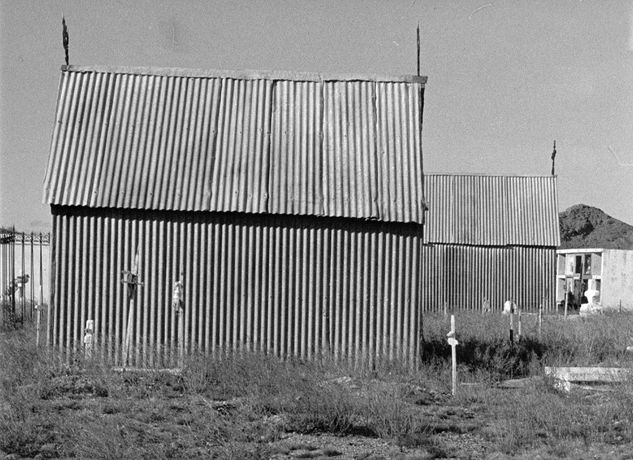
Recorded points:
(488, 239)
(290, 205)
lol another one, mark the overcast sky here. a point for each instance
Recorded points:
(506, 78)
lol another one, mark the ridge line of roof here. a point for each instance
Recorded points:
(579, 250)
(584, 250)
(244, 74)
(543, 176)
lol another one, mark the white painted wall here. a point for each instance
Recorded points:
(617, 279)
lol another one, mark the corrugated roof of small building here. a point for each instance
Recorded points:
(230, 141)
(491, 210)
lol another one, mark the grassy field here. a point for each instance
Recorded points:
(254, 406)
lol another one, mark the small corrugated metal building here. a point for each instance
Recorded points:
(291, 207)
(489, 239)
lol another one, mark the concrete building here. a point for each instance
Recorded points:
(608, 271)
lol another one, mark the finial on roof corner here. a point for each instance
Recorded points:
(65, 38)
(418, 33)
(554, 159)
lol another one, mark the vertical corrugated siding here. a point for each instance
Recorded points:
(251, 283)
(463, 276)
(349, 141)
(491, 210)
(296, 169)
(372, 161)
(241, 155)
(259, 144)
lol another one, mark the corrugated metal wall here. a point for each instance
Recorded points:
(292, 286)
(463, 276)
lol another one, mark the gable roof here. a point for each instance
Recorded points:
(491, 210)
(256, 142)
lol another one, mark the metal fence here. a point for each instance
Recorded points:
(24, 277)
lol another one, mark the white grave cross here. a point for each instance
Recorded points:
(452, 341)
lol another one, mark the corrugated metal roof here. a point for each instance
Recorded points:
(280, 143)
(492, 210)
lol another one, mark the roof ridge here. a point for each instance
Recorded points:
(544, 176)
(245, 74)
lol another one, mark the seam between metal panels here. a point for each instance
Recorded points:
(498, 246)
(411, 228)
(321, 209)
(269, 171)
(375, 206)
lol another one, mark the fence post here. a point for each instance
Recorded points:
(12, 280)
(37, 326)
(566, 297)
(41, 271)
(32, 279)
(22, 278)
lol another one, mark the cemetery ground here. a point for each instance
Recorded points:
(254, 406)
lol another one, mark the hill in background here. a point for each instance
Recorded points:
(583, 226)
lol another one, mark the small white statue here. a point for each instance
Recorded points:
(509, 307)
(177, 297)
(89, 338)
(591, 308)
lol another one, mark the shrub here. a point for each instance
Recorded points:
(390, 416)
(485, 347)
